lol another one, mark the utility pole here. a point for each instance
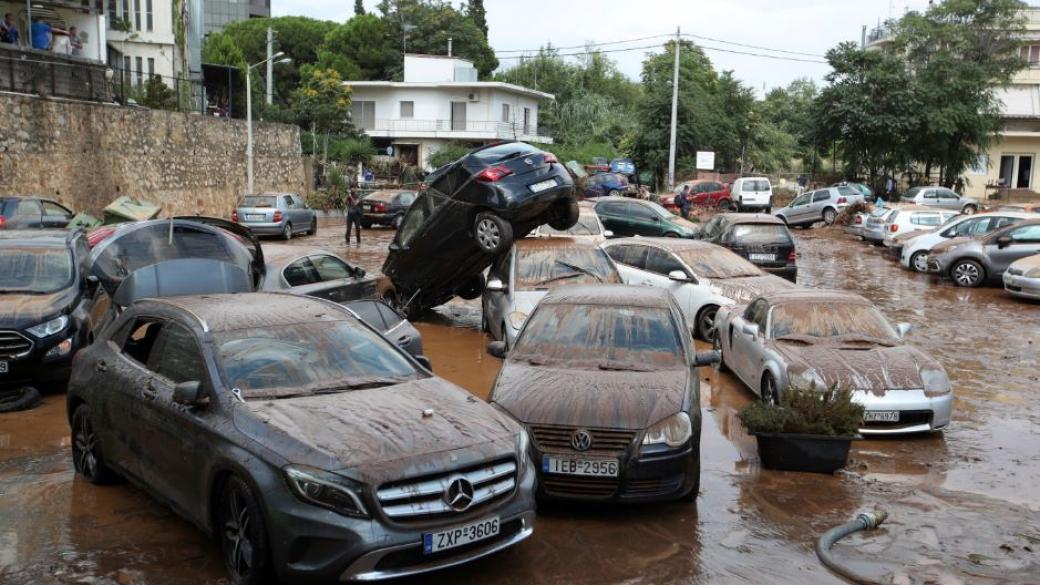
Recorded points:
(270, 66)
(675, 114)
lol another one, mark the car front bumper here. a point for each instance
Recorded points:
(918, 413)
(264, 229)
(39, 368)
(312, 544)
(1022, 286)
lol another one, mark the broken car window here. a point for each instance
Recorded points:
(594, 336)
(138, 345)
(308, 357)
(34, 270)
(829, 319)
(180, 359)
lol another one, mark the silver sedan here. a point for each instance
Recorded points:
(1022, 278)
(822, 339)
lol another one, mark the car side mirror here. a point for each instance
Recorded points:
(679, 276)
(92, 283)
(902, 329)
(749, 329)
(188, 394)
(1004, 242)
(395, 247)
(359, 272)
(497, 349)
(495, 285)
(424, 362)
(706, 358)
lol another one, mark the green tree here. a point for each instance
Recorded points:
(359, 8)
(360, 49)
(158, 95)
(475, 11)
(450, 152)
(434, 22)
(323, 103)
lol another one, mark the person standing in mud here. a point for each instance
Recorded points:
(353, 208)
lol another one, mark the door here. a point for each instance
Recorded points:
(799, 209)
(28, 214)
(744, 347)
(630, 260)
(612, 214)
(659, 264)
(1024, 176)
(170, 462)
(930, 198)
(1007, 170)
(327, 277)
(1025, 241)
(947, 199)
(55, 216)
(458, 116)
(527, 121)
(820, 200)
(645, 222)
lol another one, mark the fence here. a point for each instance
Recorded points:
(162, 93)
(49, 74)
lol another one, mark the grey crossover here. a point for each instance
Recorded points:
(972, 262)
(276, 214)
(308, 445)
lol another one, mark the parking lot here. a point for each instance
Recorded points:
(963, 505)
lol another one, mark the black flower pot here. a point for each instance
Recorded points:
(811, 453)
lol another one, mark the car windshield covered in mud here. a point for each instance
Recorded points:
(818, 339)
(275, 418)
(471, 212)
(34, 270)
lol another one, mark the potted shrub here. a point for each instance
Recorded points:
(811, 430)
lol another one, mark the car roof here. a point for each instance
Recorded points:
(228, 312)
(618, 295)
(387, 193)
(999, 213)
(741, 218)
(557, 242)
(798, 295)
(40, 237)
(753, 178)
(671, 244)
(283, 253)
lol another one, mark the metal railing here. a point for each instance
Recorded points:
(878, 34)
(159, 92)
(498, 129)
(47, 74)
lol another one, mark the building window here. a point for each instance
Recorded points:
(407, 110)
(363, 115)
(112, 14)
(137, 15)
(140, 70)
(151, 67)
(148, 15)
(527, 120)
(1030, 54)
(126, 70)
(124, 14)
(505, 113)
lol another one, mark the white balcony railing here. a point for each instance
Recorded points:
(502, 130)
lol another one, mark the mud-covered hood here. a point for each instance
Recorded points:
(375, 432)
(694, 227)
(873, 368)
(1028, 263)
(20, 311)
(743, 289)
(947, 245)
(589, 398)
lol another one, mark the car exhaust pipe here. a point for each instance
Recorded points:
(865, 521)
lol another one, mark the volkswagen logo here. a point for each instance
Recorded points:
(581, 440)
(459, 494)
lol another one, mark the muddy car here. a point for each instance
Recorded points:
(821, 339)
(762, 239)
(319, 273)
(518, 279)
(1022, 278)
(304, 442)
(702, 276)
(276, 214)
(46, 295)
(384, 319)
(386, 207)
(589, 227)
(471, 212)
(604, 377)
(17, 213)
(972, 262)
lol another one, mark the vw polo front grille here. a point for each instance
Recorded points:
(603, 440)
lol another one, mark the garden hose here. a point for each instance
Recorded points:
(866, 521)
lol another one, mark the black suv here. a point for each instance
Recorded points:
(470, 212)
(32, 212)
(45, 300)
(761, 239)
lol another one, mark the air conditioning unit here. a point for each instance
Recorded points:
(473, 97)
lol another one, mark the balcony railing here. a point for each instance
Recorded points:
(879, 34)
(497, 129)
(48, 74)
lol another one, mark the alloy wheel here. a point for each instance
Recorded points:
(829, 216)
(966, 274)
(488, 234)
(84, 447)
(919, 261)
(238, 547)
(769, 390)
(706, 323)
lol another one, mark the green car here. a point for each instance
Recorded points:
(635, 217)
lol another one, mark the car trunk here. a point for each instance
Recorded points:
(257, 209)
(766, 245)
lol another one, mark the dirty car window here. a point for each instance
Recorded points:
(760, 234)
(718, 263)
(307, 357)
(542, 267)
(258, 201)
(593, 336)
(586, 226)
(34, 270)
(829, 319)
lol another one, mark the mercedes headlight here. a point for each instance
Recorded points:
(673, 431)
(52, 327)
(936, 383)
(517, 319)
(325, 489)
(807, 379)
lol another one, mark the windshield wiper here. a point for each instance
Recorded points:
(580, 269)
(359, 385)
(559, 277)
(622, 368)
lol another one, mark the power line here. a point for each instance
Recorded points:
(586, 45)
(752, 46)
(706, 48)
(626, 41)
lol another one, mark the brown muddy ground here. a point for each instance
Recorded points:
(964, 506)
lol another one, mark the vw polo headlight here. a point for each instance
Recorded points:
(1034, 273)
(936, 383)
(328, 490)
(52, 327)
(807, 379)
(673, 431)
(517, 319)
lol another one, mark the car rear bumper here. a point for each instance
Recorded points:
(918, 413)
(789, 272)
(264, 229)
(379, 217)
(1022, 286)
(645, 478)
(873, 234)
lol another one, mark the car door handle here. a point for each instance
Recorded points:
(101, 367)
(403, 340)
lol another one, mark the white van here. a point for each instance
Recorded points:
(752, 193)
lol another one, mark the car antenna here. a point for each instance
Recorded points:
(170, 242)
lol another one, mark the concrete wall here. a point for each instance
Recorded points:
(86, 155)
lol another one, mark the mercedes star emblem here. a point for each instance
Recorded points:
(581, 440)
(459, 494)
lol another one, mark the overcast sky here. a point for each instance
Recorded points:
(800, 26)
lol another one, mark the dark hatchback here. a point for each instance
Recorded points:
(471, 211)
(32, 212)
(762, 239)
(605, 379)
(45, 301)
(386, 208)
(299, 438)
(634, 217)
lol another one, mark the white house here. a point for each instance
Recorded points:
(440, 100)
(146, 45)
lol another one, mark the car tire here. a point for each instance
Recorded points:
(768, 392)
(365, 224)
(473, 288)
(725, 205)
(671, 235)
(287, 232)
(919, 261)
(493, 234)
(970, 210)
(565, 217)
(87, 457)
(398, 220)
(243, 536)
(690, 497)
(829, 215)
(22, 398)
(314, 227)
(705, 323)
(967, 273)
(716, 344)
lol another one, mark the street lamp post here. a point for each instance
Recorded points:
(249, 115)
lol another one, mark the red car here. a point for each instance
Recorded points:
(703, 193)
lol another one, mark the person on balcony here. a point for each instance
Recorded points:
(40, 33)
(75, 43)
(8, 30)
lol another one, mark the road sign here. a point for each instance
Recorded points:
(705, 160)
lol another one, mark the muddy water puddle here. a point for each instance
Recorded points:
(964, 506)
